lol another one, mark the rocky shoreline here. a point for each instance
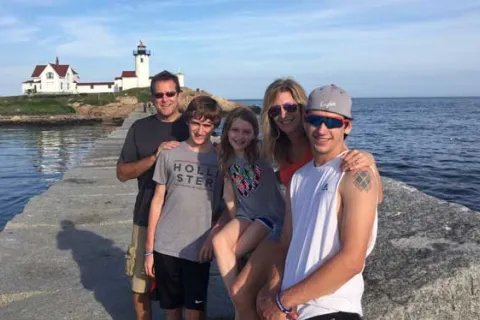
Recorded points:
(111, 113)
(66, 119)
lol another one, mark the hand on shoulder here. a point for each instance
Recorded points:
(357, 159)
(167, 145)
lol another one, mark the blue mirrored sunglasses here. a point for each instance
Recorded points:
(330, 123)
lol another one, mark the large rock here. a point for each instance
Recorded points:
(426, 263)
(187, 95)
(121, 108)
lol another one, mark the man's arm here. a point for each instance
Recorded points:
(358, 193)
(134, 169)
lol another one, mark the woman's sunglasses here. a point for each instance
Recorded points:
(159, 95)
(275, 111)
(330, 123)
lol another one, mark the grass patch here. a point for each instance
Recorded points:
(142, 94)
(34, 107)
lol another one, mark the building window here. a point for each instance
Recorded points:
(49, 75)
(141, 60)
(91, 87)
(68, 86)
(109, 86)
(61, 85)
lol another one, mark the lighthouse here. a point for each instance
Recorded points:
(142, 66)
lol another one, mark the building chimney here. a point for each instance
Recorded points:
(56, 61)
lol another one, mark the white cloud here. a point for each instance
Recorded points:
(38, 3)
(13, 30)
(6, 21)
(87, 37)
(12, 78)
(335, 38)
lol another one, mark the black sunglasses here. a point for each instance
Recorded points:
(275, 111)
(159, 95)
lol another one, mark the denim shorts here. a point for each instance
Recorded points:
(267, 222)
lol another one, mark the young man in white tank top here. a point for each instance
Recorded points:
(330, 224)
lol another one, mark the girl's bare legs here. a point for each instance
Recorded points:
(237, 238)
(252, 278)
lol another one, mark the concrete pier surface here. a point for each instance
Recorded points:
(63, 257)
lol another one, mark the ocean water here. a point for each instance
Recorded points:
(432, 144)
(32, 158)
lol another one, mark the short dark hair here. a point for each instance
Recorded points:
(164, 76)
(204, 107)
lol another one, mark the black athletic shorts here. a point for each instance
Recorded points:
(337, 316)
(181, 282)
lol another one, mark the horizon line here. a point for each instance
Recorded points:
(383, 97)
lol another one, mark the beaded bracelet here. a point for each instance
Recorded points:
(281, 306)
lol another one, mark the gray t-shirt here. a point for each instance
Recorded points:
(186, 217)
(257, 190)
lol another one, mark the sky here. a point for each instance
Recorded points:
(235, 49)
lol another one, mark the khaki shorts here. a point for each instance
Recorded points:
(134, 265)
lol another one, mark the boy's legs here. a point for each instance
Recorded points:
(195, 277)
(135, 269)
(168, 274)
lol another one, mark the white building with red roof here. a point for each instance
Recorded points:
(51, 78)
(56, 78)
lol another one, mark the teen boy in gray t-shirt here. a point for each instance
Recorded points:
(186, 217)
(181, 214)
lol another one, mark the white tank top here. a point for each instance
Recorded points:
(315, 238)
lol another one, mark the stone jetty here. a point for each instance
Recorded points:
(63, 257)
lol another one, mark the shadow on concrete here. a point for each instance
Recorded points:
(102, 268)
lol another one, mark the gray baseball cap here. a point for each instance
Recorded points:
(331, 99)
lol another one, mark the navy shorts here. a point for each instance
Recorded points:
(181, 282)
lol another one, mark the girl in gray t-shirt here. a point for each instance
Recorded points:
(251, 193)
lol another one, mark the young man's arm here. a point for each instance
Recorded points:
(153, 217)
(356, 160)
(266, 304)
(160, 176)
(358, 193)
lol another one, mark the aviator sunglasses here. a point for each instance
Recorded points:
(170, 94)
(275, 111)
(330, 123)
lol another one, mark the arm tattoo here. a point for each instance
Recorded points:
(362, 180)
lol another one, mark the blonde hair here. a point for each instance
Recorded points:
(275, 144)
(226, 151)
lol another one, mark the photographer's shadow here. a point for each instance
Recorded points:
(102, 268)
